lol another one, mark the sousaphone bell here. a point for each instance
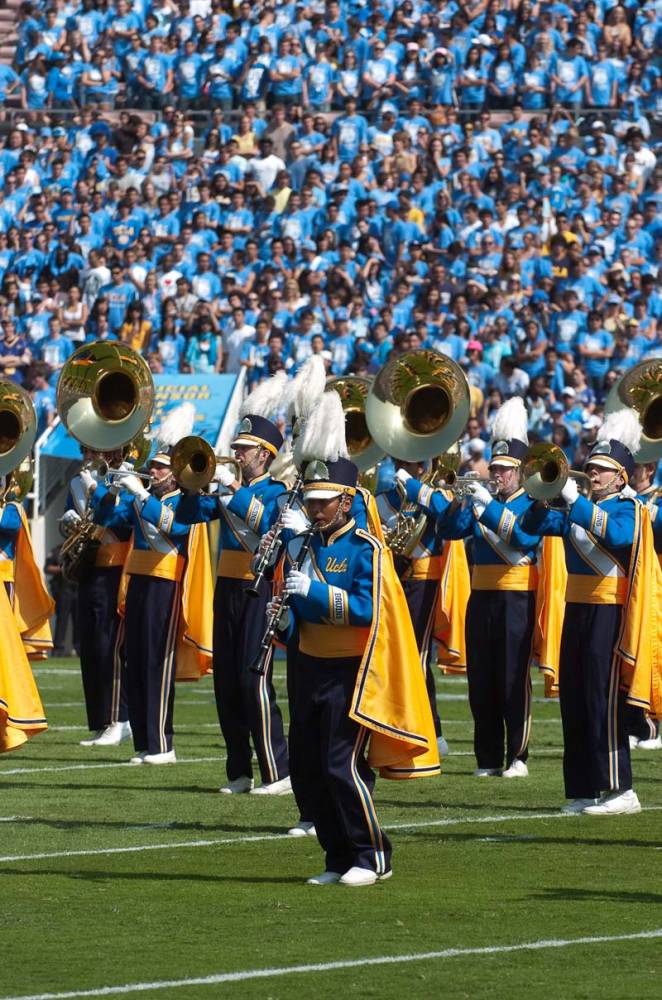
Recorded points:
(641, 389)
(18, 426)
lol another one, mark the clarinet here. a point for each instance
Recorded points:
(265, 559)
(281, 604)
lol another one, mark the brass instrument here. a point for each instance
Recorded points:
(193, 463)
(114, 477)
(545, 471)
(105, 395)
(18, 483)
(418, 405)
(410, 521)
(353, 391)
(138, 450)
(459, 486)
(18, 426)
(641, 389)
(79, 550)
(267, 555)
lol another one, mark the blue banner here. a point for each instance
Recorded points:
(209, 393)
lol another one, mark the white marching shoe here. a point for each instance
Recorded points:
(302, 829)
(238, 786)
(91, 741)
(487, 772)
(654, 744)
(326, 878)
(577, 806)
(114, 734)
(281, 787)
(139, 757)
(168, 757)
(363, 876)
(615, 804)
(634, 742)
(517, 769)
(442, 746)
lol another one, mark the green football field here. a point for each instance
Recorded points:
(144, 881)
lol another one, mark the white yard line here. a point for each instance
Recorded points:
(214, 841)
(93, 767)
(350, 963)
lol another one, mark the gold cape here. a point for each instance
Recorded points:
(33, 605)
(390, 697)
(639, 647)
(21, 710)
(195, 634)
(549, 613)
(454, 593)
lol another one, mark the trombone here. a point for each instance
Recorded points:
(193, 463)
(545, 471)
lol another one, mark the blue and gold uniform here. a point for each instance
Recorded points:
(10, 525)
(101, 629)
(420, 576)
(598, 541)
(245, 701)
(155, 567)
(28, 597)
(500, 617)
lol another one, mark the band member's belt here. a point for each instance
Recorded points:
(112, 554)
(165, 565)
(428, 568)
(584, 589)
(332, 642)
(6, 570)
(235, 564)
(504, 578)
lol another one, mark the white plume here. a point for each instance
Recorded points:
(311, 387)
(175, 425)
(511, 421)
(622, 425)
(323, 436)
(267, 398)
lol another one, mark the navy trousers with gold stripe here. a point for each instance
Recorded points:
(246, 701)
(331, 770)
(639, 724)
(101, 654)
(152, 617)
(295, 744)
(499, 627)
(596, 751)
(421, 597)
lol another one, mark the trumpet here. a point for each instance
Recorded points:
(115, 476)
(460, 485)
(545, 471)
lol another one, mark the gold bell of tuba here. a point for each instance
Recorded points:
(410, 521)
(18, 426)
(641, 389)
(105, 395)
(545, 471)
(418, 405)
(193, 463)
(353, 391)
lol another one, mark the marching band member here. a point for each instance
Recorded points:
(643, 730)
(500, 612)
(100, 625)
(357, 670)
(167, 632)
(245, 701)
(610, 630)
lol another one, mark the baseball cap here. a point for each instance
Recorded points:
(475, 345)
(569, 391)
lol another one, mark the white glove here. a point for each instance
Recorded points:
(69, 522)
(223, 475)
(570, 492)
(480, 495)
(294, 520)
(136, 486)
(88, 481)
(402, 476)
(297, 584)
(284, 620)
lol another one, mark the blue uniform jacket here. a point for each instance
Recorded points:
(155, 528)
(598, 537)
(10, 525)
(77, 501)
(389, 504)
(499, 537)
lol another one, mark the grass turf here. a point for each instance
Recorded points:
(494, 872)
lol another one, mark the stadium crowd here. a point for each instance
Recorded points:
(224, 186)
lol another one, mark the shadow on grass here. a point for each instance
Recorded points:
(174, 827)
(111, 876)
(562, 893)
(572, 840)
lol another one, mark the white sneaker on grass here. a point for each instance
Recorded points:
(91, 741)
(487, 772)
(654, 744)
(168, 757)
(138, 758)
(363, 876)
(114, 734)
(281, 787)
(634, 742)
(325, 878)
(442, 746)
(517, 769)
(615, 804)
(238, 786)
(577, 806)
(302, 829)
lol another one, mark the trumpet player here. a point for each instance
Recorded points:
(500, 612)
(165, 606)
(610, 629)
(101, 628)
(419, 573)
(247, 509)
